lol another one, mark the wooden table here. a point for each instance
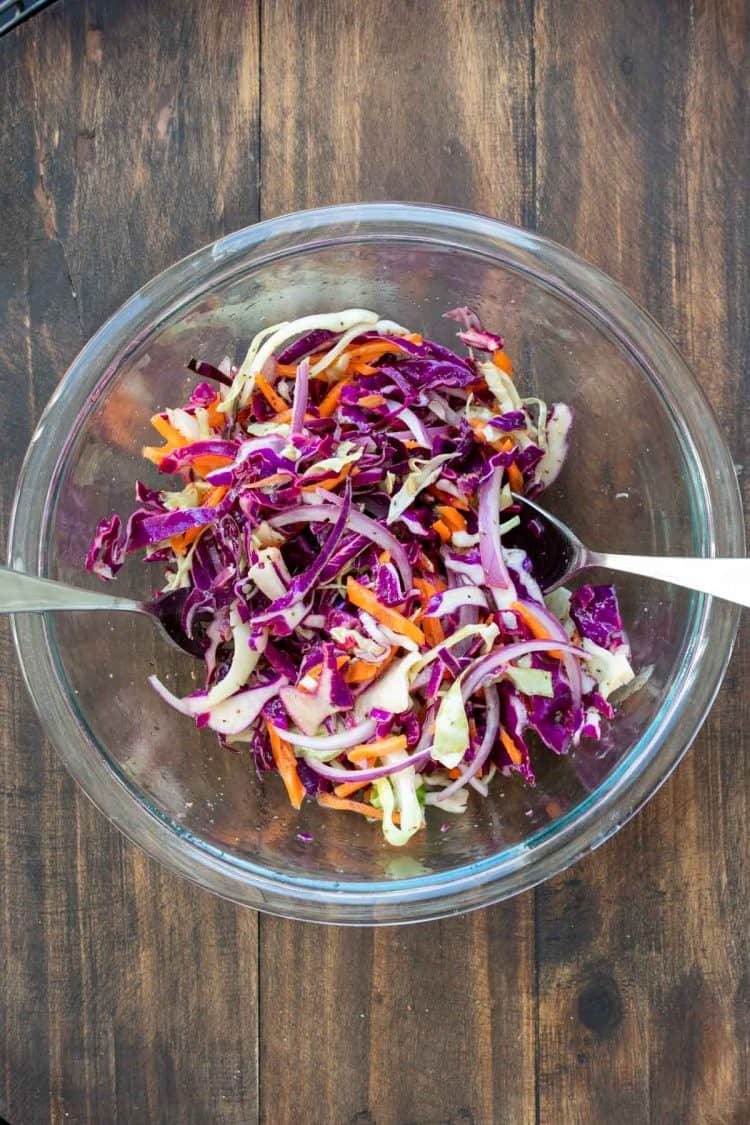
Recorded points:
(132, 133)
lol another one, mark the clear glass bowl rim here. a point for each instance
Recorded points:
(719, 530)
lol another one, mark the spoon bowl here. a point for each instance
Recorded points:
(559, 555)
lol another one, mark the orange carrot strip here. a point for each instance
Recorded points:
(443, 530)
(515, 478)
(452, 517)
(384, 557)
(286, 764)
(447, 498)
(348, 787)
(330, 482)
(454, 773)
(377, 748)
(501, 360)
(433, 631)
(346, 805)
(169, 432)
(371, 400)
(373, 350)
(208, 462)
(514, 753)
(216, 418)
(536, 628)
(429, 587)
(270, 395)
(360, 671)
(365, 599)
(331, 400)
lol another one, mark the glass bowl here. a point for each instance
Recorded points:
(648, 472)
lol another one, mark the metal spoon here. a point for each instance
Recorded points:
(23, 593)
(558, 554)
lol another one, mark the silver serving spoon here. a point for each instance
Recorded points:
(558, 554)
(23, 593)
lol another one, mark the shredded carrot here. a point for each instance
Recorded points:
(514, 753)
(384, 557)
(454, 774)
(452, 517)
(329, 483)
(360, 671)
(348, 787)
(433, 631)
(515, 478)
(501, 360)
(447, 498)
(371, 400)
(331, 400)
(365, 599)
(266, 482)
(216, 418)
(443, 530)
(428, 587)
(346, 805)
(286, 764)
(208, 462)
(169, 432)
(362, 368)
(534, 625)
(272, 397)
(374, 350)
(377, 748)
(409, 443)
(172, 437)
(283, 415)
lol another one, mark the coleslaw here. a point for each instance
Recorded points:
(337, 534)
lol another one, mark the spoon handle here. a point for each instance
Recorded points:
(724, 578)
(23, 593)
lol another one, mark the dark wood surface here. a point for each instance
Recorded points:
(134, 132)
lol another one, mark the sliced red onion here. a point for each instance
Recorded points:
(341, 775)
(358, 522)
(485, 666)
(490, 548)
(181, 705)
(450, 600)
(300, 397)
(343, 740)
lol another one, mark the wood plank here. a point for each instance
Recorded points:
(129, 137)
(643, 949)
(433, 1023)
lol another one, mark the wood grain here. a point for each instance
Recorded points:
(129, 137)
(132, 133)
